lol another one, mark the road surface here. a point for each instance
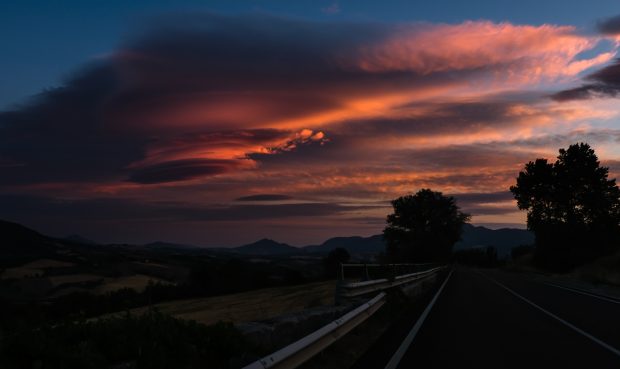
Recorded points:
(492, 319)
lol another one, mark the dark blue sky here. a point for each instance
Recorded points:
(44, 41)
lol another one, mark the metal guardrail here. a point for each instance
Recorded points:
(355, 289)
(302, 350)
(383, 270)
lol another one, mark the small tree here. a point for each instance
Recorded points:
(572, 207)
(333, 260)
(423, 227)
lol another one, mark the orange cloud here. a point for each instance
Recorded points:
(206, 114)
(533, 52)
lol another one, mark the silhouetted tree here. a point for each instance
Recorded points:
(333, 260)
(423, 227)
(572, 207)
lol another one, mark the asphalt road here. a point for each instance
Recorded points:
(491, 319)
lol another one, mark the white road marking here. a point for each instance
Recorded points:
(566, 323)
(577, 290)
(404, 346)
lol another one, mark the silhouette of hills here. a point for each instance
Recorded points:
(266, 247)
(79, 239)
(355, 244)
(503, 239)
(473, 236)
(19, 242)
(160, 245)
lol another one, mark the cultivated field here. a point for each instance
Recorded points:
(137, 282)
(33, 268)
(250, 306)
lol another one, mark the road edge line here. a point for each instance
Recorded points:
(583, 292)
(404, 346)
(565, 322)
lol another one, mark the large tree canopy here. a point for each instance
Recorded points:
(423, 227)
(572, 206)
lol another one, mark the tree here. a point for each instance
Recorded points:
(333, 260)
(572, 207)
(424, 227)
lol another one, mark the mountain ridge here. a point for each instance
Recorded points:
(504, 239)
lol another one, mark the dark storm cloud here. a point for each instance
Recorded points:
(486, 203)
(264, 197)
(98, 123)
(29, 207)
(178, 170)
(60, 135)
(609, 26)
(604, 83)
(195, 84)
(490, 210)
(462, 157)
(483, 197)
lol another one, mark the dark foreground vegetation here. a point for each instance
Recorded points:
(49, 324)
(150, 340)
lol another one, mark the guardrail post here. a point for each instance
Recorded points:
(366, 276)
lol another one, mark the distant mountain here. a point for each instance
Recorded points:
(79, 239)
(354, 245)
(503, 239)
(159, 245)
(266, 247)
(18, 242)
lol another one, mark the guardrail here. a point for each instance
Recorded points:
(376, 271)
(356, 289)
(302, 350)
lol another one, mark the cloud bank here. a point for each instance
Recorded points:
(202, 109)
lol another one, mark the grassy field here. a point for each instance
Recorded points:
(250, 306)
(74, 279)
(34, 268)
(137, 282)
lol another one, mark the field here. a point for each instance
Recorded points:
(250, 306)
(137, 282)
(33, 268)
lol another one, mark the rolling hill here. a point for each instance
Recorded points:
(266, 247)
(19, 242)
(503, 239)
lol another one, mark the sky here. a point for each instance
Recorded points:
(218, 123)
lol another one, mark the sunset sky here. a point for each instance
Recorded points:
(218, 123)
